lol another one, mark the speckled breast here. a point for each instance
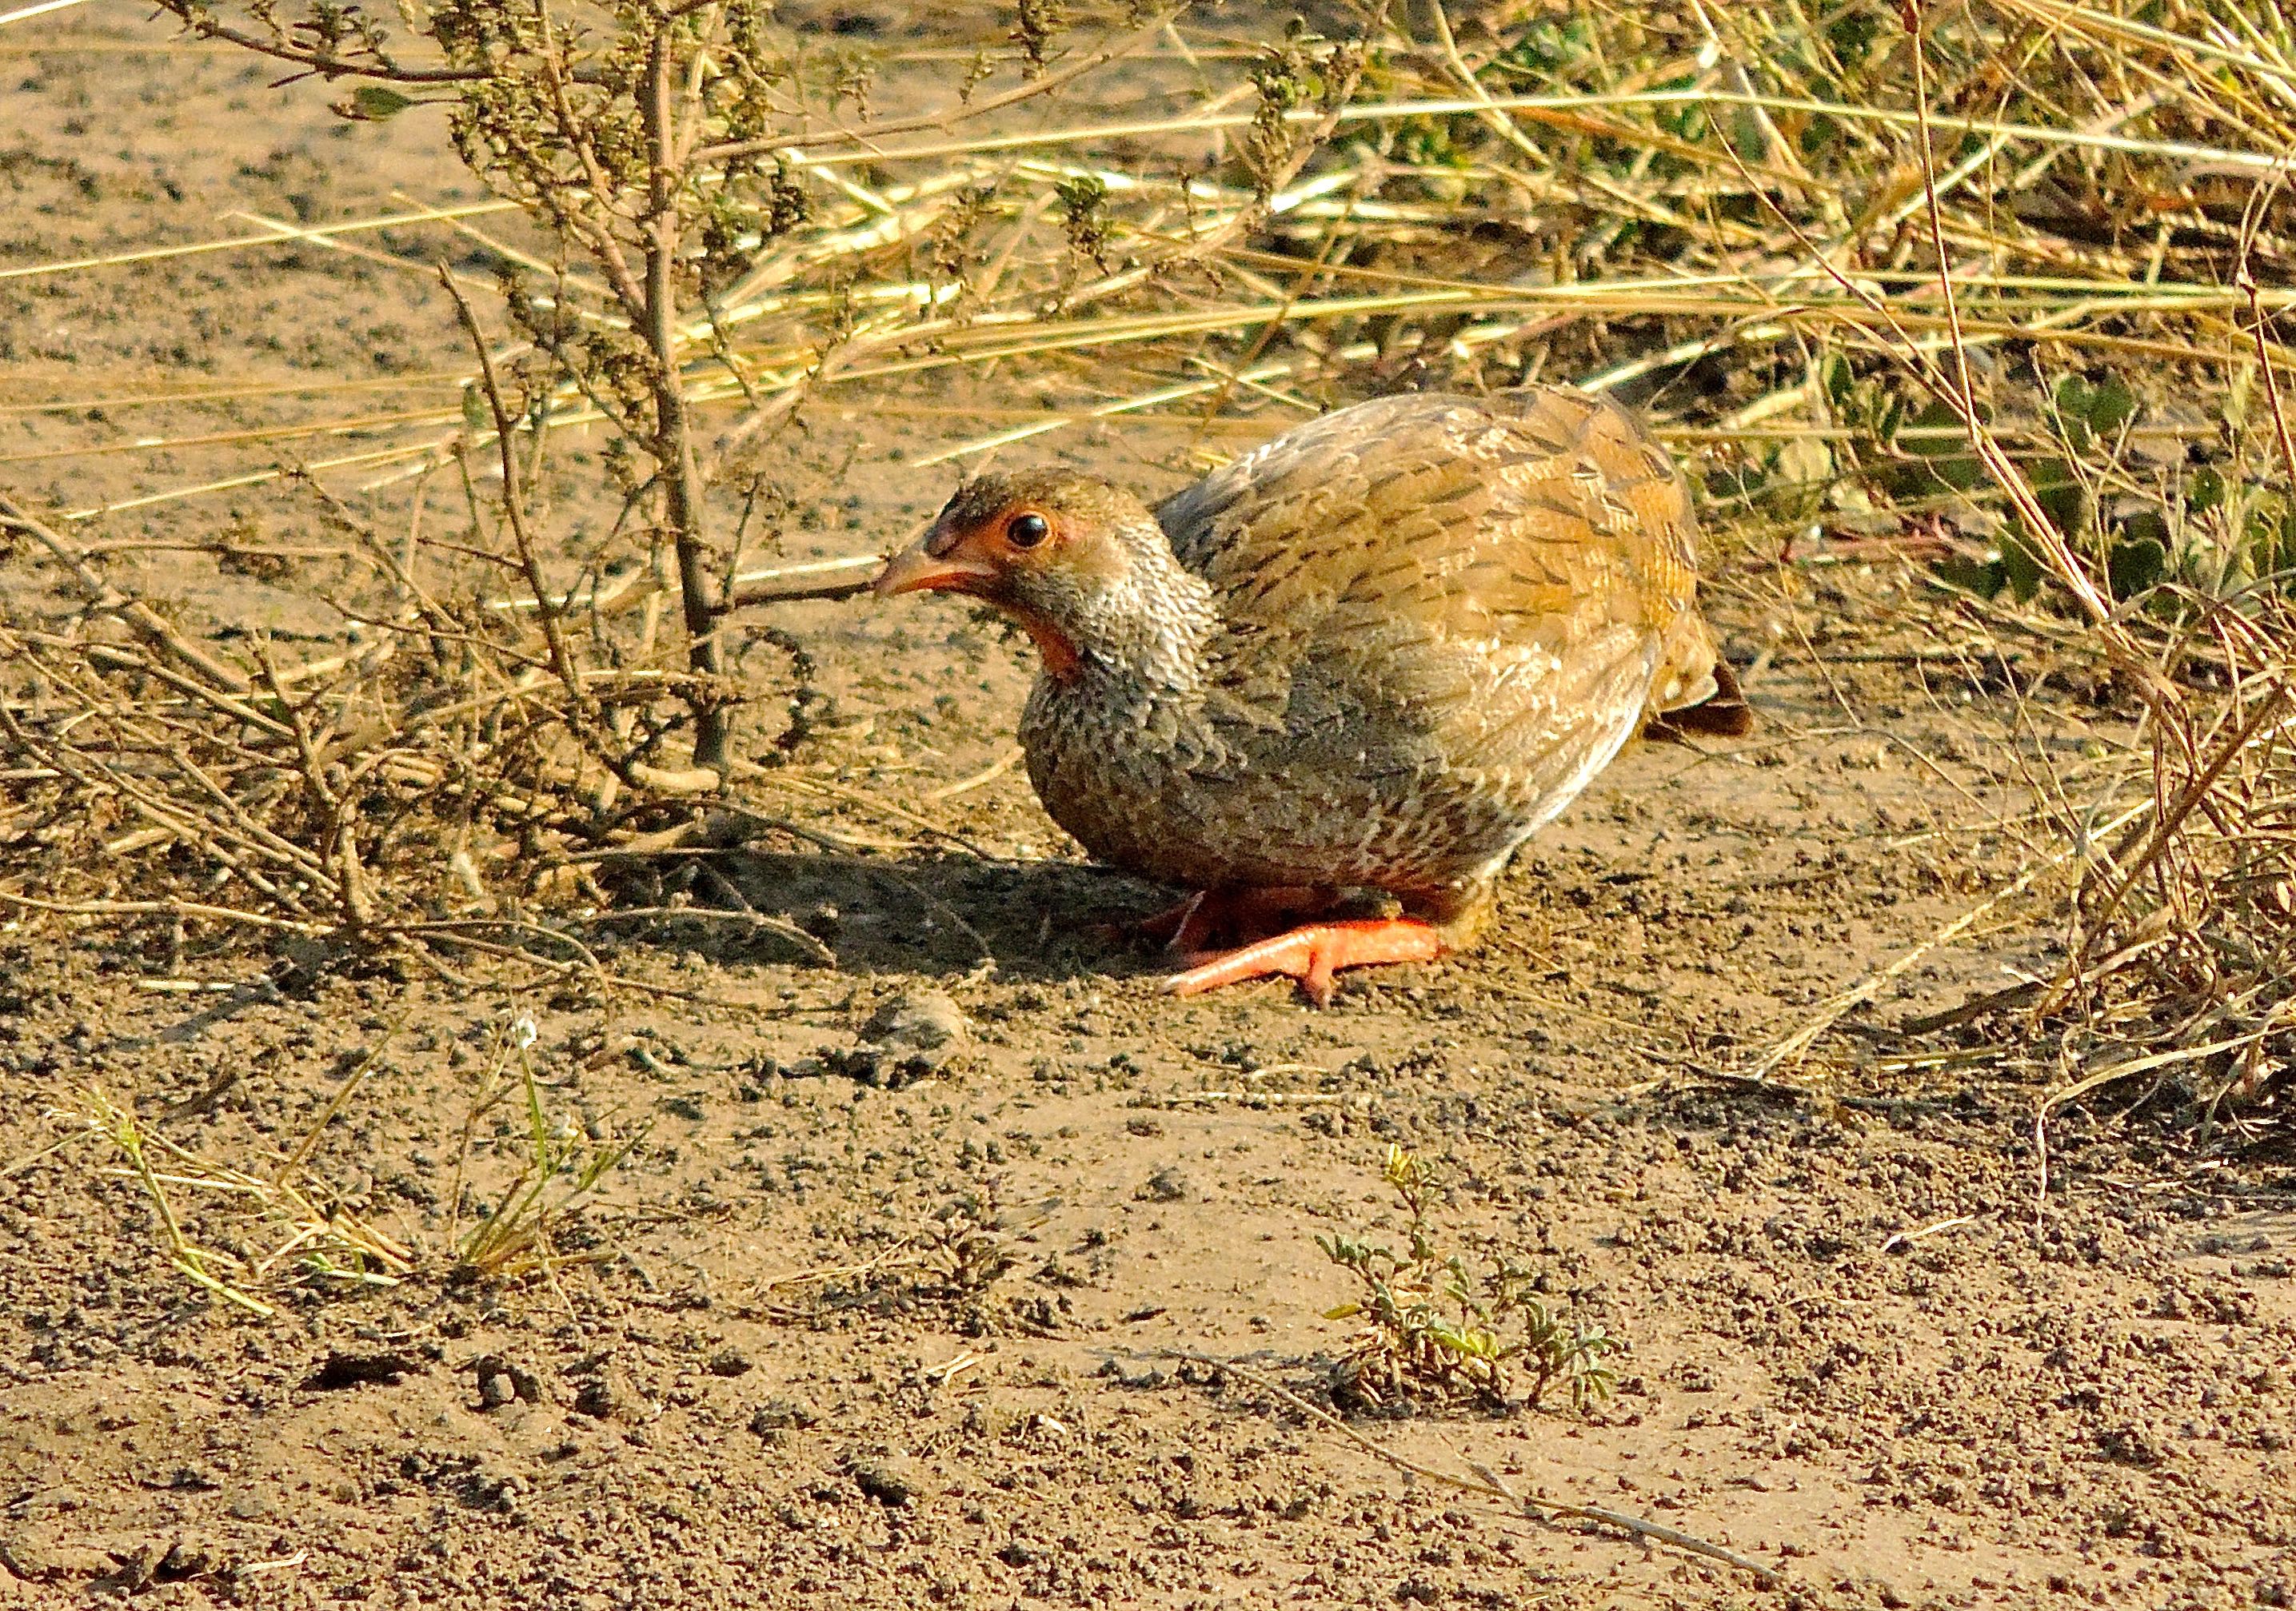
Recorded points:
(1174, 798)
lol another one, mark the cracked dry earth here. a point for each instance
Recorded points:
(870, 1319)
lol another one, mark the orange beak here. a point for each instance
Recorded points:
(935, 561)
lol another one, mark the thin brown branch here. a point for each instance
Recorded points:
(683, 498)
(170, 908)
(948, 117)
(600, 240)
(2169, 820)
(554, 629)
(206, 26)
(842, 577)
(762, 922)
(140, 617)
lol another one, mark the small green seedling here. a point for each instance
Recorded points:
(1435, 1332)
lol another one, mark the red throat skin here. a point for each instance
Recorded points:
(1061, 660)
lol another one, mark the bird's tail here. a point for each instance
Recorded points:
(1697, 691)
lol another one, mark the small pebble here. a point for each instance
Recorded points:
(918, 1021)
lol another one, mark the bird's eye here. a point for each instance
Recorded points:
(1026, 531)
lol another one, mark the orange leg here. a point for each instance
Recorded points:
(1311, 953)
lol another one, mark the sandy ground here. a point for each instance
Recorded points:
(859, 1331)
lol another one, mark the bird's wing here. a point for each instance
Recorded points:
(1427, 574)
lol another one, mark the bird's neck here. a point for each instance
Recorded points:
(1145, 637)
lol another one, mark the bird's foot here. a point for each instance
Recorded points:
(1311, 953)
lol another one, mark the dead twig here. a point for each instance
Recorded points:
(1486, 1482)
(1790, 1049)
(139, 616)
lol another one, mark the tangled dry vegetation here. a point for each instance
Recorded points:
(1995, 293)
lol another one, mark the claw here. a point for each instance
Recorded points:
(1179, 925)
(1312, 953)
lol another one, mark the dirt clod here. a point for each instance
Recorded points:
(609, 1394)
(782, 1415)
(890, 1480)
(342, 1369)
(909, 1038)
(1164, 1186)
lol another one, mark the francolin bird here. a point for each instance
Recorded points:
(1368, 659)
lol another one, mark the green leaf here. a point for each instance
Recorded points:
(379, 103)
(1983, 578)
(2062, 495)
(2103, 407)
(2022, 569)
(1806, 462)
(1946, 457)
(2134, 566)
(1893, 420)
(1837, 377)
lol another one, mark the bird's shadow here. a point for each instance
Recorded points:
(917, 913)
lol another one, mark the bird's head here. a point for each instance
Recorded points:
(1062, 553)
